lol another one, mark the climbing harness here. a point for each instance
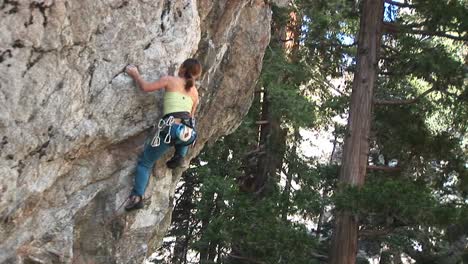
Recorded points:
(183, 132)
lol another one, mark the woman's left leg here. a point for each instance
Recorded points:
(181, 149)
(144, 166)
(143, 171)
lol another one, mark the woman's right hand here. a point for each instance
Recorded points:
(132, 70)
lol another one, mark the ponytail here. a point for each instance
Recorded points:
(189, 81)
(192, 70)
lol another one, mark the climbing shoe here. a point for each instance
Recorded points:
(174, 162)
(134, 202)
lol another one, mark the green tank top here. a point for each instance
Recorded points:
(177, 102)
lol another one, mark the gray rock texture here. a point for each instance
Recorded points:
(72, 124)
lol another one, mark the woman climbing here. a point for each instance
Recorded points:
(176, 128)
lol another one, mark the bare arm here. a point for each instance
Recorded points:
(195, 98)
(194, 108)
(144, 85)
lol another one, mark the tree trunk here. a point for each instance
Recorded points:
(291, 33)
(356, 147)
(205, 221)
(182, 227)
(208, 251)
(325, 189)
(289, 177)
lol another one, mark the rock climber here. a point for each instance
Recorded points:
(176, 127)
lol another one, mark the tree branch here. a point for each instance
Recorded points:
(245, 258)
(403, 5)
(390, 48)
(382, 168)
(403, 102)
(389, 73)
(438, 34)
(262, 122)
(286, 40)
(260, 91)
(319, 256)
(393, 28)
(375, 233)
(260, 150)
(343, 45)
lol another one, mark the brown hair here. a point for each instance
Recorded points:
(192, 70)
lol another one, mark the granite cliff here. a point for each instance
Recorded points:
(72, 123)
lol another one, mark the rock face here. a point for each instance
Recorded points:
(72, 124)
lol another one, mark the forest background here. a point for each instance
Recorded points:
(254, 197)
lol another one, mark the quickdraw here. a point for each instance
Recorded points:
(184, 133)
(163, 123)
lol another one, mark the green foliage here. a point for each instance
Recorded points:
(408, 202)
(328, 36)
(282, 79)
(422, 201)
(236, 220)
(441, 15)
(308, 201)
(256, 230)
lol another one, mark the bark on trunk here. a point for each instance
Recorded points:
(353, 170)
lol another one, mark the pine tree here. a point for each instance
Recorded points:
(356, 146)
(253, 198)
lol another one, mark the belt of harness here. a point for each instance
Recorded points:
(165, 125)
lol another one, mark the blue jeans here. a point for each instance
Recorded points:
(151, 154)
